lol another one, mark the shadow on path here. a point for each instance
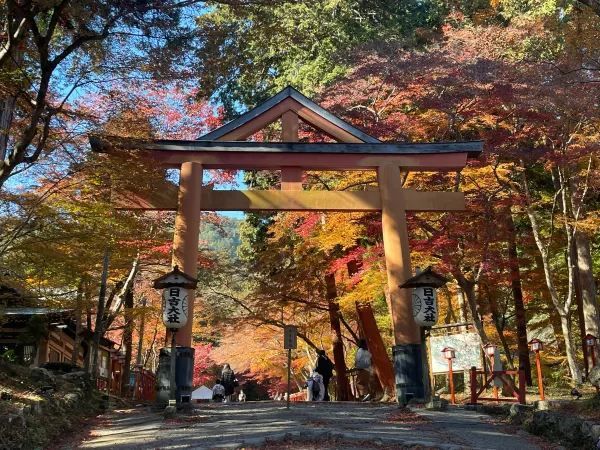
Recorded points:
(236, 425)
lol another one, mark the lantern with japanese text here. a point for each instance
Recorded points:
(175, 285)
(424, 297)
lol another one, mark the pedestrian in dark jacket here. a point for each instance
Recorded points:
(324, 367)
(228, 381)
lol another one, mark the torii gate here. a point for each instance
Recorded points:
(226, 148)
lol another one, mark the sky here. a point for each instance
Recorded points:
(63, 86)
(239, 180)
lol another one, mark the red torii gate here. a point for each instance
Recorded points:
(225, 148)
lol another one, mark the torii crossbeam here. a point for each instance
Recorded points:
(224, 148)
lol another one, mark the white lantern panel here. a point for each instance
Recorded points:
(175, 307)
(425, 311)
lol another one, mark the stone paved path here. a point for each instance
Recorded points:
(351, 425)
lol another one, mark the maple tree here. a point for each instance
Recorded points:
(472, 85)
(53, 52)
(513, 111)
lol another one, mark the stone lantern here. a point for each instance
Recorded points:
(175, 285)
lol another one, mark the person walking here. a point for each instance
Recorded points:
(315, 390)
(218, 392)
(362, 362)
(325, 368)
(228, 381)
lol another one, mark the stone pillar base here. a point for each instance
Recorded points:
(408, 367)
(184, 374)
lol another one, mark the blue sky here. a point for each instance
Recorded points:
(239, 179)
(63, 86)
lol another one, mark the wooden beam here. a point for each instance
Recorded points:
(259, 122)
(320, 123)
(443, 162)
(327, 201)
(310, 156)
(289, 126)
(303, 201)
(303, 101)
(289, 201)
(431, 200)
(291, 177)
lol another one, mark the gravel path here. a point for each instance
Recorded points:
(304, 426)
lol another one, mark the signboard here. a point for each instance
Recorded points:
(425, 310)
(175, 307)
(468, 352)
(290, 337)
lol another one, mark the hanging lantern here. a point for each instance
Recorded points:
(424, 297)
(175, 285)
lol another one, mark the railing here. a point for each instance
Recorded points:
(101, 384)
(298, 396)
(352, 375)
(145, 385)
(517, 392)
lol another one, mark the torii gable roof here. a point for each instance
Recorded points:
(287, 93)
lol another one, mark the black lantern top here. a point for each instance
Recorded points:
(175, 278)
(427, 278)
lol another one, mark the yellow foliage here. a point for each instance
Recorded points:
(371, 286)
(338, 229)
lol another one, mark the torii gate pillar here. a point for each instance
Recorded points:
(185, 255)
(408, 364)
(186, 235)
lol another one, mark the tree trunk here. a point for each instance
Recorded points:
(78, 315)
(128, 343)
(98, 328)
(450, 313)
(580, 312)
(520, 315)
(150, 350)
(88, 323)
(569, 349)
(7, 104)
(343, 384)
(496, 315)
(588, 285)
(553, 316)
(463, 316)
(563, 307)
(468, 289)
(138, 359)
